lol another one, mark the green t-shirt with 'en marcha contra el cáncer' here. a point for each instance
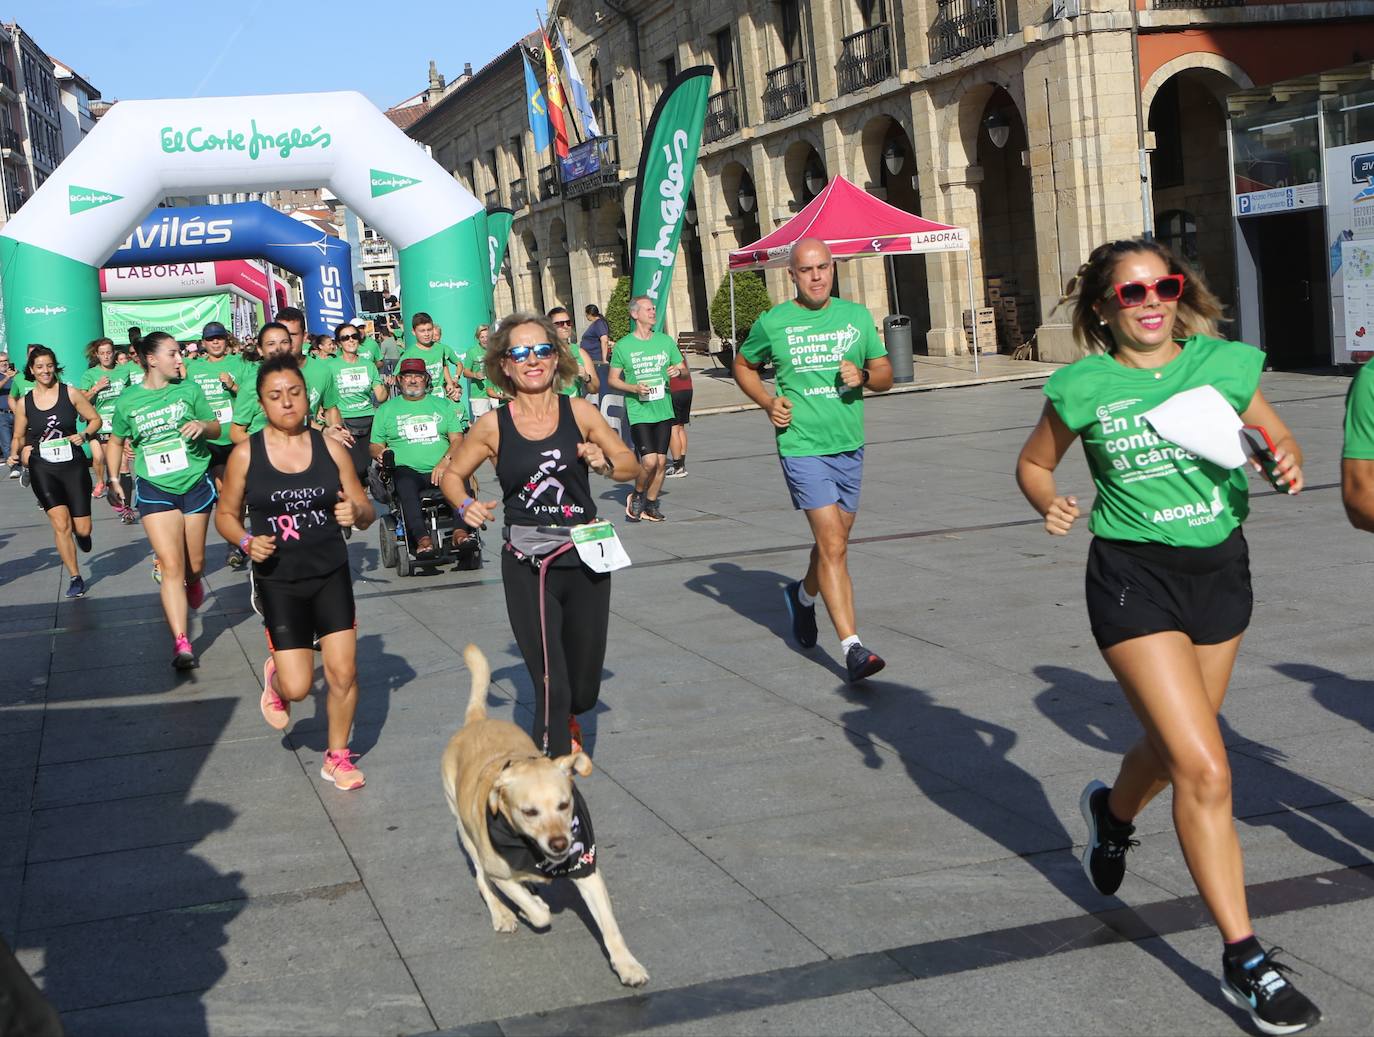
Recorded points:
(206, 373)
(150, 420)
(417, 431)
(805, 347)
(1149, 489)
(353, 383)
(104, 401)
(645, 361)
(319, 395)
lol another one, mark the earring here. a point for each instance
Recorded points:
(1101, 322)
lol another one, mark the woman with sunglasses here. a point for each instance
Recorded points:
(360, 389)
(46, 437)
(1168, 575)
(543, 444)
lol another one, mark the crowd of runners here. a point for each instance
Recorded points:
(278, 440)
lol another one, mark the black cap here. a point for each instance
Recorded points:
(214, 330)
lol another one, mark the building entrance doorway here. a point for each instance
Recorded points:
(1293, 288)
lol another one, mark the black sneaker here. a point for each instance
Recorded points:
(1104, 858)
(652, 512)
(236, 560)
(1259, 987)
(803, 616)
(24, 477)
(862, 663)
(77, 588)
(634, 506)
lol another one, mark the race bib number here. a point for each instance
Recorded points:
(353, 381)
(224, 414)
(166, 459)
(599, 547)
(655, 393)
(424, 431)
(55, 451)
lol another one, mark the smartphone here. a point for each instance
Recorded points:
(1262, 449)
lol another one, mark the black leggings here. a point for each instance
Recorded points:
(361, 428)
(578, 614)
(409, 485)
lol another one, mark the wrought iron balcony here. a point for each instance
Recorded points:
(961, 26)
(548, 182)
(786, 91)
(9, 139)
(722, 116)
(865, 58)
(519, 194)
(13, 200)
(1179, 5)
(7, 78)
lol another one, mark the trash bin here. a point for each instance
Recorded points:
(897, 338)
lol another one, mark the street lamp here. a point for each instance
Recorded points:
(999, 129)
(894, 157)
(747, 200)
(815, 176)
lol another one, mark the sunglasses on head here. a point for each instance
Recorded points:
(523, 354)
(348, 338)
(1168, 288)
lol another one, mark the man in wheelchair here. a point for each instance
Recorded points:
(411, 436)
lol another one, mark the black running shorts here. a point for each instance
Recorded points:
(651, 437)
(63, 485)
(1136, 589)
(682, 407)
(295, 613)
(219, 454)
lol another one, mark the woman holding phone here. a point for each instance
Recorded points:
(1168, 575)
(169, 423)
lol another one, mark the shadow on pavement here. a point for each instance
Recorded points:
(741, 590)
(909, 720)
(1345, 696)
(380, 675)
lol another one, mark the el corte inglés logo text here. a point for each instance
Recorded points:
(79, 199)
(43, 311)
(255, 142)
(448, 284)
(384, 183)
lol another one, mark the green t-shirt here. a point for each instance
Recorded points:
(805, 348)
(645, 361)
(353, 382)
(104, 401)
(206, 373)
(319, 394)
(151, 419)
(133, 372)
(1359, 416)
(417, 431)
(21, 385)
(1149, 489)
(437, 357)
(367, 350)
(475, 360)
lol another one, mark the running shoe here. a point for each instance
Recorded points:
(652, 511)
(575, 729)
(274, 710)
(338, 768)
(157, 572)
(677, 470)
(83, 541)
(1259, 987)
(98, 491)
(128, 516)
(185, 657)
(77, 587)
(24, 477)
(803, 616)
(236, 560)
(861, 663)
(1104, 858)
(14, 472)
(195, 594)
(634, 506)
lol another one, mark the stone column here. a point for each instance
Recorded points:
(954, 201)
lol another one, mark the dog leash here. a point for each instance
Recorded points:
(544, 629)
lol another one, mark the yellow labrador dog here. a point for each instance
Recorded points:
(522, 821)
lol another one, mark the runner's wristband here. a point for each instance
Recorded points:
(464, 506)
(244, 543)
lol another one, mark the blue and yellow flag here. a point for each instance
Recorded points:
(536, 108)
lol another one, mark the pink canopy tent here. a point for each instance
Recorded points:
(854, 224)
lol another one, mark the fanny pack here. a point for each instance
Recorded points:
(538, 545)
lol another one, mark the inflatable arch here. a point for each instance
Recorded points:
(142, 151)
(249, 230)
(243, 277)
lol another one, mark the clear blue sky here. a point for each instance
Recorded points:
(130, 49)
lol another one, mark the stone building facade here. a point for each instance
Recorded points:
(1022, 121)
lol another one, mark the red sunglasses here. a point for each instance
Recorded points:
(1168, 288)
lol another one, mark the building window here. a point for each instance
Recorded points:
(1166, 123)
(1178, 230)
(789, 21)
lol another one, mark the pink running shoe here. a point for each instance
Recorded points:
(195, 594)
(185, 657)
(274, 710)
(338, 768)
(98, 491)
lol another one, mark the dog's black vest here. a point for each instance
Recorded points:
(525, 855)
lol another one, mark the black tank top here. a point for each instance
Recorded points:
(298, 509)
(543, 482)
(57, 422)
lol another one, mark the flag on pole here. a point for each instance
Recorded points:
(553, 93)
(539, 116)
(576, 88)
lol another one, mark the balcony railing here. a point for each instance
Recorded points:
(13, 200)
(7, 77)
(9, 139)
(865, 58)
(493, 198)
(961, 26)
(1178, 5)
(548, 182)
(378, 254)
(722, 116)
(519, 194)
(786, 91)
